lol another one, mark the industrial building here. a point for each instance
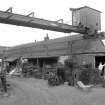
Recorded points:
(86, 47)
(82, 51)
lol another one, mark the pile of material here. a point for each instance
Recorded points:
(30, 70)
(81, 85)
(47, 70)
(95, 77)
(56, 78)
(15, 72)
(53, 79)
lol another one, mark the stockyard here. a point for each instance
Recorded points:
(63, 71)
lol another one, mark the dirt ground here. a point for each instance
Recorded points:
(31, 91)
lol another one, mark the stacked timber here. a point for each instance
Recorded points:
(30, 70)
(47, 70)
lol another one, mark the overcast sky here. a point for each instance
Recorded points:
(46, 9)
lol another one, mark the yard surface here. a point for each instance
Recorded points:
(29, 91)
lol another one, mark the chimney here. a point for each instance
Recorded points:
(35, 41)
(46, 38)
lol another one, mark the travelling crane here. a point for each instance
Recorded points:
(8, 17)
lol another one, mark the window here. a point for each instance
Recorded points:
(103, 41)
(98, 60)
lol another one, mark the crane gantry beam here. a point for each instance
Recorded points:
(27, 21)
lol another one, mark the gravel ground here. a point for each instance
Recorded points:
(31, 91)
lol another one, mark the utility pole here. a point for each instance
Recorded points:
(3, 73)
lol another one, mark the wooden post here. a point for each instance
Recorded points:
(3, 74)
(37, 62)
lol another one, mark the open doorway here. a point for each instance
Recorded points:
(99, 59)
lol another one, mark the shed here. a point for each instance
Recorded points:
(86, 51)
(86, 16)
(76, 47)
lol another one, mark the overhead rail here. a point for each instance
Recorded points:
(8, 17)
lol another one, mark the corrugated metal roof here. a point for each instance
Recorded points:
(58, 47)
(57, 40)
(52, 47)
(75, 9)
(88, 46)
(11, 59)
